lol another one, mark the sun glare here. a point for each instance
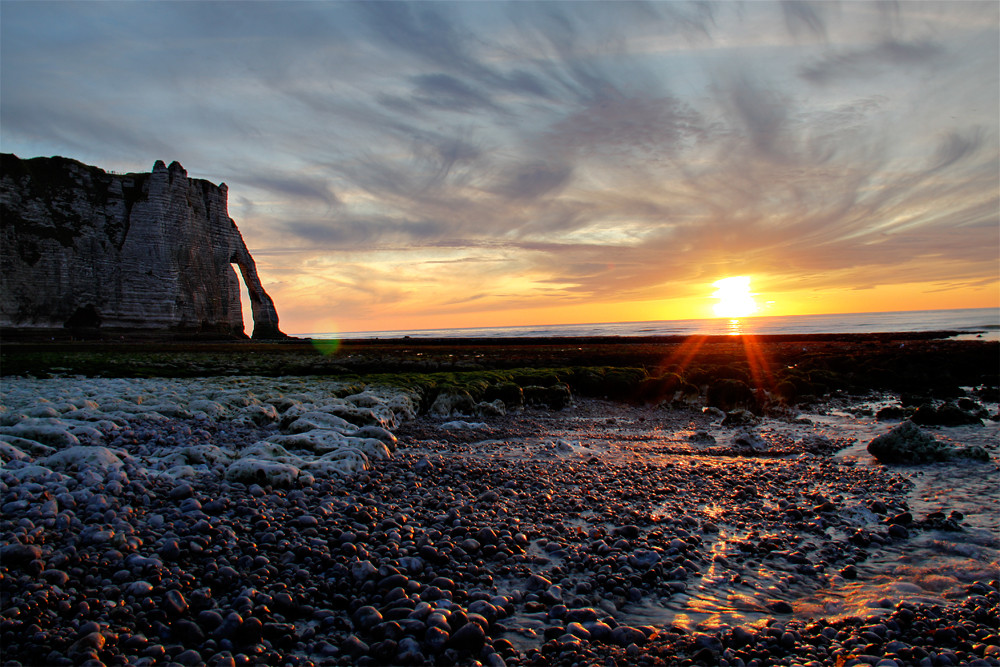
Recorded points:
(735, 297)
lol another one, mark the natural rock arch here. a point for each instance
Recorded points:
(137, 251)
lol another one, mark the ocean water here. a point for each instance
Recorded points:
(978, 323)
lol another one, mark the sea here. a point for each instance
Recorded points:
(966, 323)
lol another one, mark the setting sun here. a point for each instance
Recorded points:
(735, 298)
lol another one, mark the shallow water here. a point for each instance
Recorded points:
(933, 564)
(739, 589)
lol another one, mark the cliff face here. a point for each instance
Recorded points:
(149, 251)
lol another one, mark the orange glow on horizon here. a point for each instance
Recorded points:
(312, 315)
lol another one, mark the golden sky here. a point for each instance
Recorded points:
(434, 165)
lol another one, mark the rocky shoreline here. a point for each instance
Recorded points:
(565, 530)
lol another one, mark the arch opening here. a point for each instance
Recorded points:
(245, 308)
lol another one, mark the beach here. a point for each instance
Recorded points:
(673, 500)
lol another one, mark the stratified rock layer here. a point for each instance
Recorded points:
(82, 248)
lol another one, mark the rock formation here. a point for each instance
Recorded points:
(82, 248)
(909, 444)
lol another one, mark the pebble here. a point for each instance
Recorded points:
(174, 602)
(625, 635)
(404, 563)
(469, 638)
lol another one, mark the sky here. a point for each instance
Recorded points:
(438, 165)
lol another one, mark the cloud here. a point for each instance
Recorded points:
(640, 127)
(534, 180)
(761, 115)
(341, 234)
(518, 152)
(803, 16)
(956, 146)
(448, 92)
(872, 61)
(417, 29)
(297, 186)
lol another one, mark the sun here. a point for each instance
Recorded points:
(735, 298)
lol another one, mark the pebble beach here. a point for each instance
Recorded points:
(323, 520)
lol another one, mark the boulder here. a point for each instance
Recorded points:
(554, 397)
(82, 456)
(730, 394)
(908, 444)
(948, 414)
(452, 403)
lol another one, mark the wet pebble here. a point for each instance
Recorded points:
(401, 566)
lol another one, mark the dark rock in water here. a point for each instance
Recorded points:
(510, 393)
(908, 443)
(890, 413)
(644, 558)
(736, 418)
(730, 394)
(552, 596)
(656, 390)
(84, 249)
(974, 453)
(948, 414)
(555, 397)
(787, 391)
(702, 437)
(780, 607)
(898, 532)
(629, 532)
(599, 631)
(581, 615)
(740, 636)
(488, 535)
(902, 519)
(908, 400)
(251, 631)
(711, 642)
(969, 405)
(624, 635)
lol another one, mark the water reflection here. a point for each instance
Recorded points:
(735, 328)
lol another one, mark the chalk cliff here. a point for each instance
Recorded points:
(82, 248)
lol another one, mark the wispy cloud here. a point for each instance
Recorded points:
(451, 157)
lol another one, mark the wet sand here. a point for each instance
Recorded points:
(605, 532)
